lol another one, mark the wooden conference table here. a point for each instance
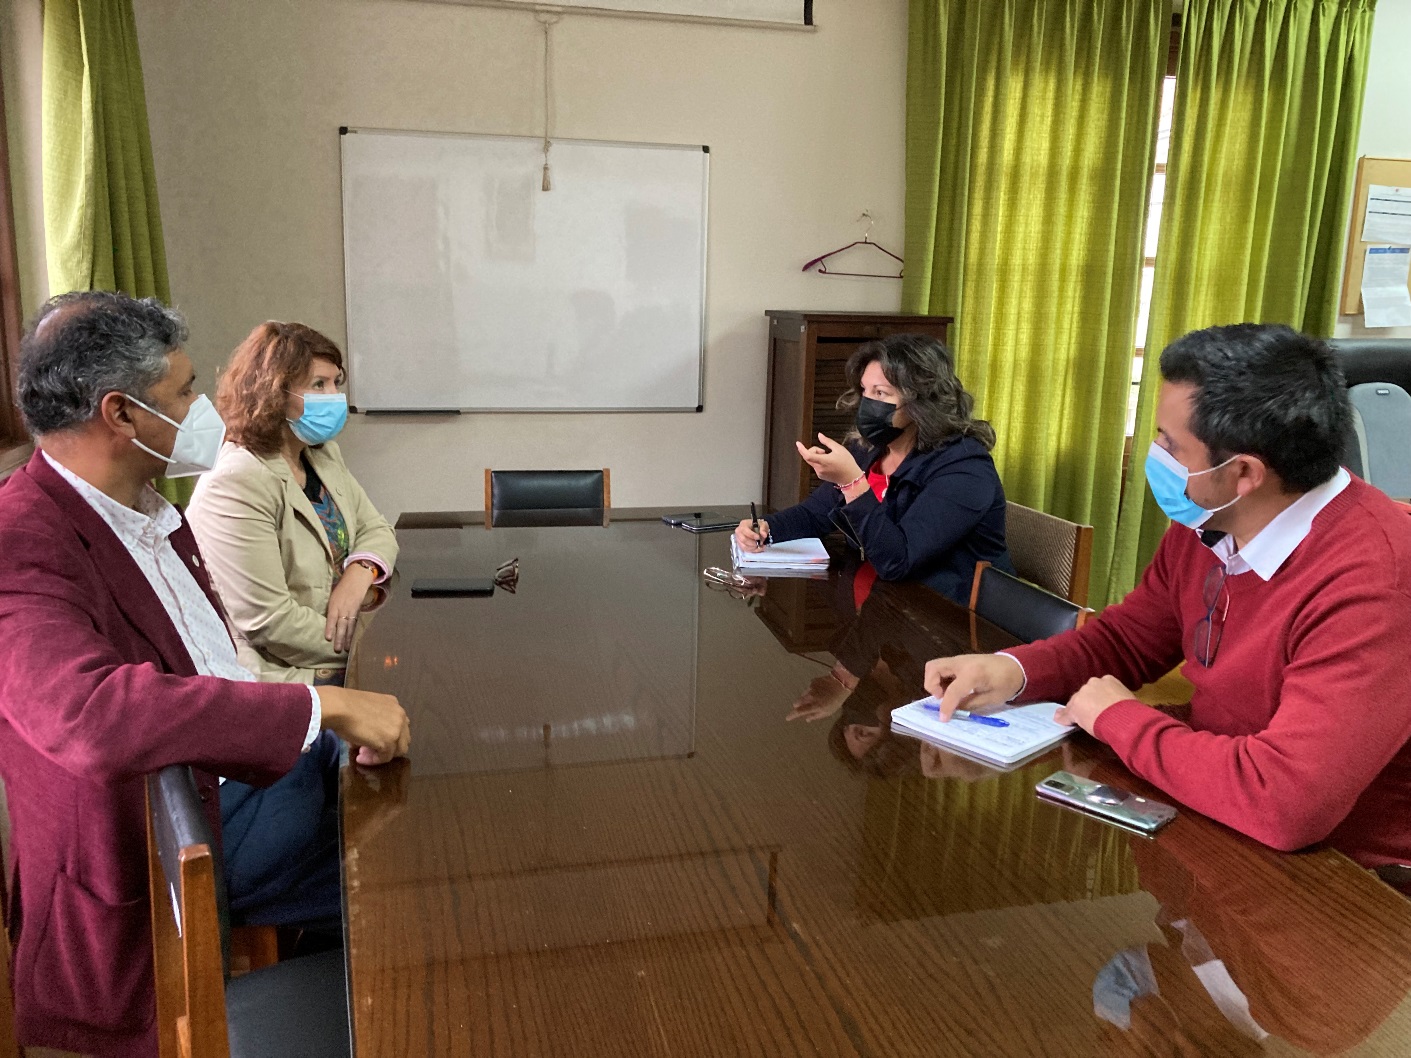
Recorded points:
(609, 841)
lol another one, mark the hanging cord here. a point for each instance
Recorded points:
(547, 20)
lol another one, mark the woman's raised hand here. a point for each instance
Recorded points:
(830, 461)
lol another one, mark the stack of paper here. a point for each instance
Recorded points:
(1031, 730)
(794, 556)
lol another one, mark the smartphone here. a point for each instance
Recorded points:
(1119, 807)
(451, 587)
(699, 522)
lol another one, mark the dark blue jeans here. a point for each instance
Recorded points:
(281, 843)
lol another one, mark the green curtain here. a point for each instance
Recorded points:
(102, 228)
(1263, 149)
(1030, 134)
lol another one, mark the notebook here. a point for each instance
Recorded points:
(792, 556)
(1031, 730)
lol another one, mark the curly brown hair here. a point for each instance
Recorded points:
(255, 385)
(921, 369)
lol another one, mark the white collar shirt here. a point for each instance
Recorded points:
(146, 534)
(1272, 545)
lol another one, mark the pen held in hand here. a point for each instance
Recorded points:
(965, 714)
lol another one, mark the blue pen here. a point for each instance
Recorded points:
(966, 714)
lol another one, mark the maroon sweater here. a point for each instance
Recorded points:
(1298, 730)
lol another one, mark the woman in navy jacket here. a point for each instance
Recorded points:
(913, 488)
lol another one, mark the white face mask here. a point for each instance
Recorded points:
(198, 438)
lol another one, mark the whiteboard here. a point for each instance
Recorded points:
(470, 288)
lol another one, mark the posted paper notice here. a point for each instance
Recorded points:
(1388, 217)
(1386, 302)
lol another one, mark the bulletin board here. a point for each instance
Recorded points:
(1393, 172)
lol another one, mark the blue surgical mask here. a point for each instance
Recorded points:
(1167, 480)
(324, 416)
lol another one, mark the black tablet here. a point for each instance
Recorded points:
(699, 522)
(450, 587)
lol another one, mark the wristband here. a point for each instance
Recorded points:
(371, 567)
(860, 478)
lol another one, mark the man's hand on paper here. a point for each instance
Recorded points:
(973, 681)
(1095, 696)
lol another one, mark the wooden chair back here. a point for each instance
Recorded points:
(1049, 551)
(190, 932)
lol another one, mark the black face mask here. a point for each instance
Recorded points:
(874, 422)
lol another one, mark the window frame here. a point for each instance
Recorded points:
(13, 437)
(1173, 54)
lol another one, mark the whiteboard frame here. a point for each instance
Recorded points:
(535, 7)
(353, 130)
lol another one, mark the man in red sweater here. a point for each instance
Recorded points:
(1285, 587)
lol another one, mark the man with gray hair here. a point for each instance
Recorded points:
(117, 663)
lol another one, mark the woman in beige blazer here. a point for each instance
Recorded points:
(296, 549)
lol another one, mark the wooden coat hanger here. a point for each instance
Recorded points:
(820, 265)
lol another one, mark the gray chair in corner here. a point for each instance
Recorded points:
(1378, 444)
(1382, 423)
(294, 1009)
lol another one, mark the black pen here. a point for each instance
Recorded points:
(754, 521)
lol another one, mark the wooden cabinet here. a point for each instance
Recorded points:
(807, 353)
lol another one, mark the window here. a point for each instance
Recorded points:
(1153, 219)
(12, 433)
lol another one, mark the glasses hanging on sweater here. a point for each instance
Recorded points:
(1210, 628)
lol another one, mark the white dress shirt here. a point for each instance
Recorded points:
(1273, 544)
(146, 533)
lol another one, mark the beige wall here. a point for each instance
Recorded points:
(1386, 128)
(805, 131)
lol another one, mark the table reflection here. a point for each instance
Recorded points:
(591, 658)
(774, 871)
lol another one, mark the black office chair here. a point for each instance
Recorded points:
(1382, 423)
(1020, 608)
(1367, 360)
(547, 497)
(1374, 360)
(294, 1009)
